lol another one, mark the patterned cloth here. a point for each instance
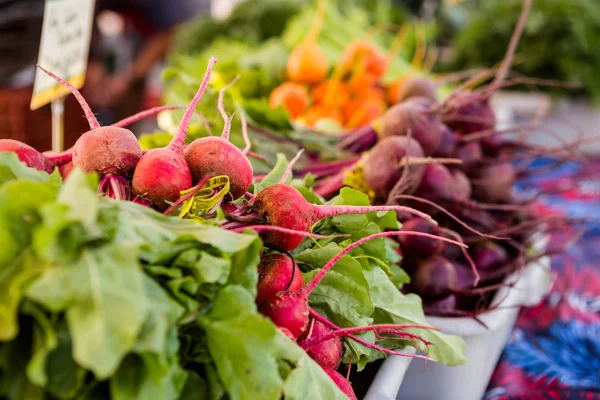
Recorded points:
(554, 351)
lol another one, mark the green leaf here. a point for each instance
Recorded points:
(275, 175)
(133, 382)
(240, 342)
(306, 380)
(391, 306)
(260, 112)
(44, 341)
(12, 168)
(65, 377)
(102, 294)
(139, 224)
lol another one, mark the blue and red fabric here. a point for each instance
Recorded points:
(554, 351)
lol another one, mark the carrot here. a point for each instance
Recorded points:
(340, 93)
(292, 96)
(320, 111)
(308, 63)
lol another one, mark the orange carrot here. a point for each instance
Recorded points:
(339, 96)
(319, 111)
(360, 112)
(308, 63)
(292, 96)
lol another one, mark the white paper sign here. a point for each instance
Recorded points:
(64, 48)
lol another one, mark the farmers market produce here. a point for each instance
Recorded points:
(184, 285)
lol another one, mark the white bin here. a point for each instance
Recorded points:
(483, 347)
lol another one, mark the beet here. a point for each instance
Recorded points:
(214, 155)
(447, 303)
(341, 382)
(328, 354)
(162, 174)
(27, 154)
(470, 154)
(284, 206)
(103, 150)
(448, 143)
(461, 185)
(382, 168)
(434, 277)
(414, 115)
(469, 112)
(493, 183)
(489, 255)
(276, 273)
(417, 87)
(418, 245)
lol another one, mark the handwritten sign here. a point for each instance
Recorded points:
(64, 48)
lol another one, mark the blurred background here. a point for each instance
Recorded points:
(133, 40)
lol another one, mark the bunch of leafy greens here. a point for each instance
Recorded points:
(363, 287)
(559, 41)
(102, 299)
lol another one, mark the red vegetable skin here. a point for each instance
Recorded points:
(382, 168)
(489, 255)
(276, 273)
(418, 245)
(27, 154)
(162, 174)
(290, 309)
(434, 277)
(341, 382)
(328, 354)
(215, 156)
(414, 116)
(104, 150)
(284, 206)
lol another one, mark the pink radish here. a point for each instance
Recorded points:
(162, 174)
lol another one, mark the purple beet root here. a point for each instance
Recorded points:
(434, 277)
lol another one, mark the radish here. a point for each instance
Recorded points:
(277, 272)
(108, 151)
(27, 154)
(414, 116)
(214, 155)
(434, 277)
(341, 382)
(289, 309)
(328, 353)
(382, 168)
(162, 174)
(284, 206)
